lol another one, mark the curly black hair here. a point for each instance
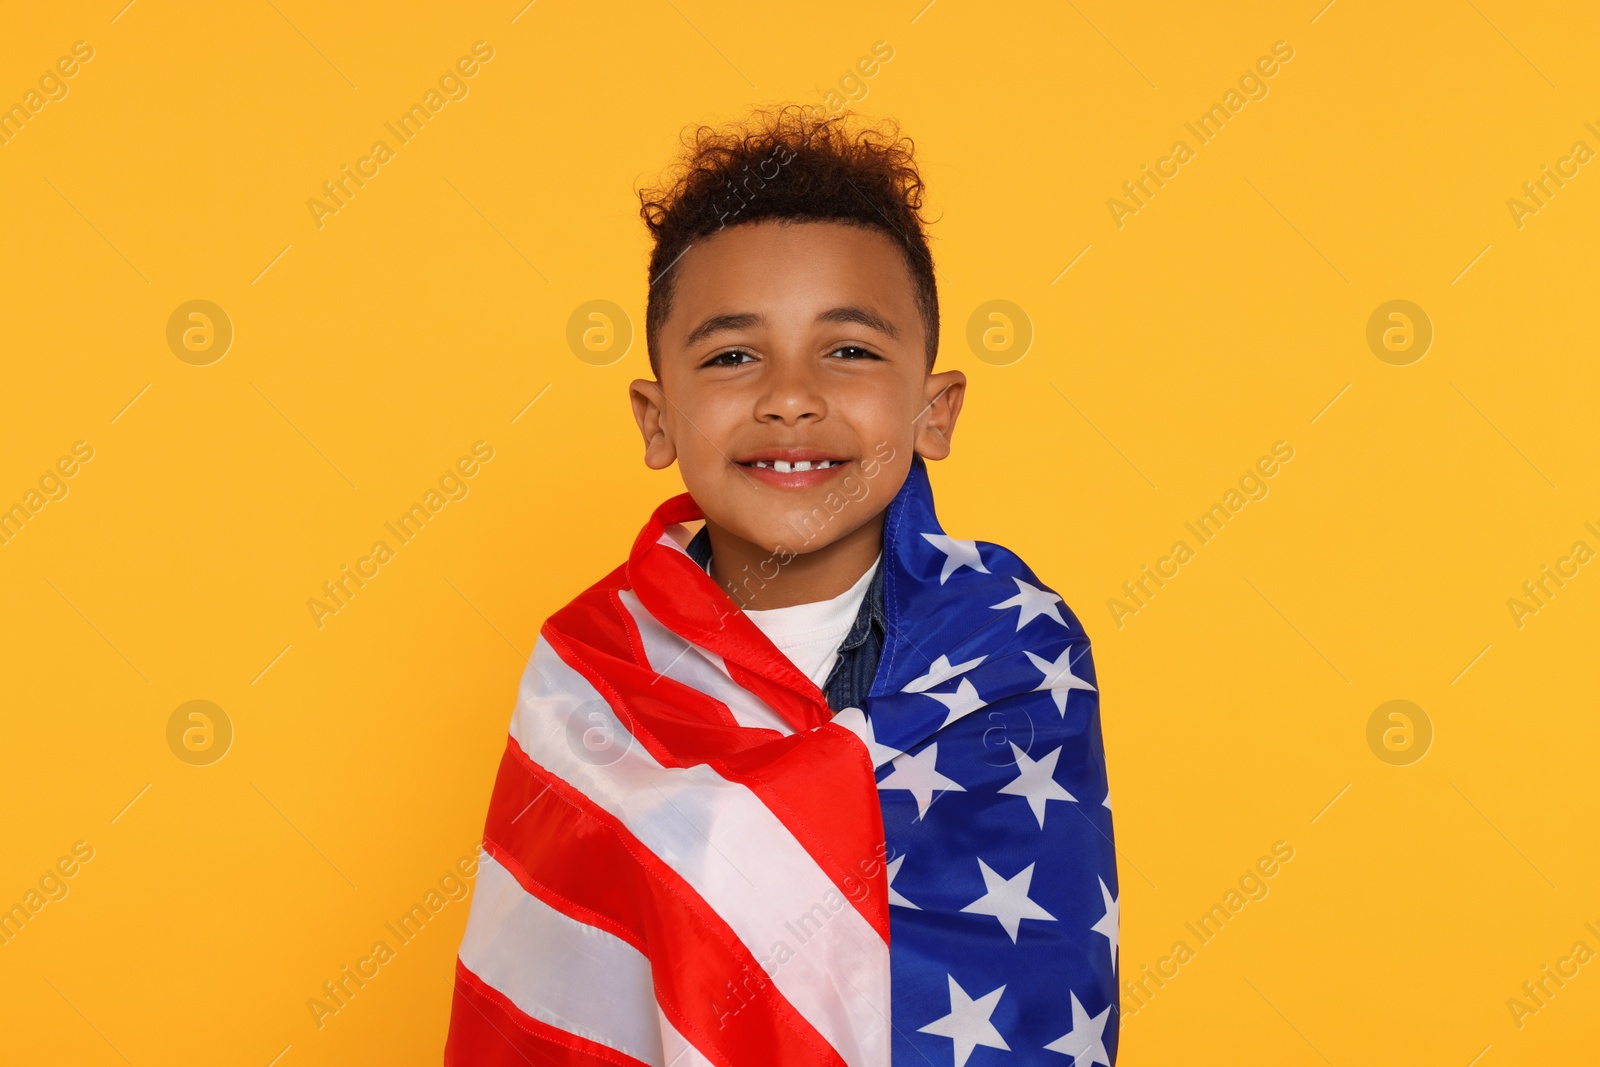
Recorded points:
(790, 163)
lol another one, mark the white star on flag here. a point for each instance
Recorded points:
(1108, 922)
(968, 1023)
(940, 670)
(1031, 602)
(919, 775)
(1086, 1041)
(855, 720)
(1036, 782)
(1058, 677)
(963, 702)
(1007, 899)
(957, 554)
(894, 894)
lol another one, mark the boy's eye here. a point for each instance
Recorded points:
(726, 359)
(852, 352)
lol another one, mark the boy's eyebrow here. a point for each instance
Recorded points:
(720, 323)
(861, 317)
(744, 320)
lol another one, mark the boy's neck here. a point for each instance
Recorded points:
(746, 570)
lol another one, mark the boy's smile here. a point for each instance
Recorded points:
(793, 468)
(794, 389)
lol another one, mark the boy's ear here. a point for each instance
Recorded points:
(649, 403)
(942, 397)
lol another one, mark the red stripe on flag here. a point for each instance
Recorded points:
(818, 783)
(671, 585)
(487, 1030)
(588, 865)
(836, 820)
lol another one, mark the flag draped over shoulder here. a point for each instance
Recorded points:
(689, 859)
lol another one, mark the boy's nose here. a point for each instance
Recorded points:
(792, 393)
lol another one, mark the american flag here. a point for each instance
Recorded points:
(689, 859)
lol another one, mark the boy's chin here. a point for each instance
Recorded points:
(787, 536)
(775, 538)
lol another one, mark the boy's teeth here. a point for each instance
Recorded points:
(783, 466)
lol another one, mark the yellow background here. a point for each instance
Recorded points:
(427, 314)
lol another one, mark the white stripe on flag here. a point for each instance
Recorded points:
(722, 839)
(699, 668)
(678, 1051)
(561, 971)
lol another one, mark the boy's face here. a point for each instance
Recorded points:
(796, 341)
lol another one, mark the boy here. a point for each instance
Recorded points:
(820, 784)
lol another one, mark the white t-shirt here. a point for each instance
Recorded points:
(810, 634)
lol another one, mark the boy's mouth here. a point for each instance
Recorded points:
(792, 468)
